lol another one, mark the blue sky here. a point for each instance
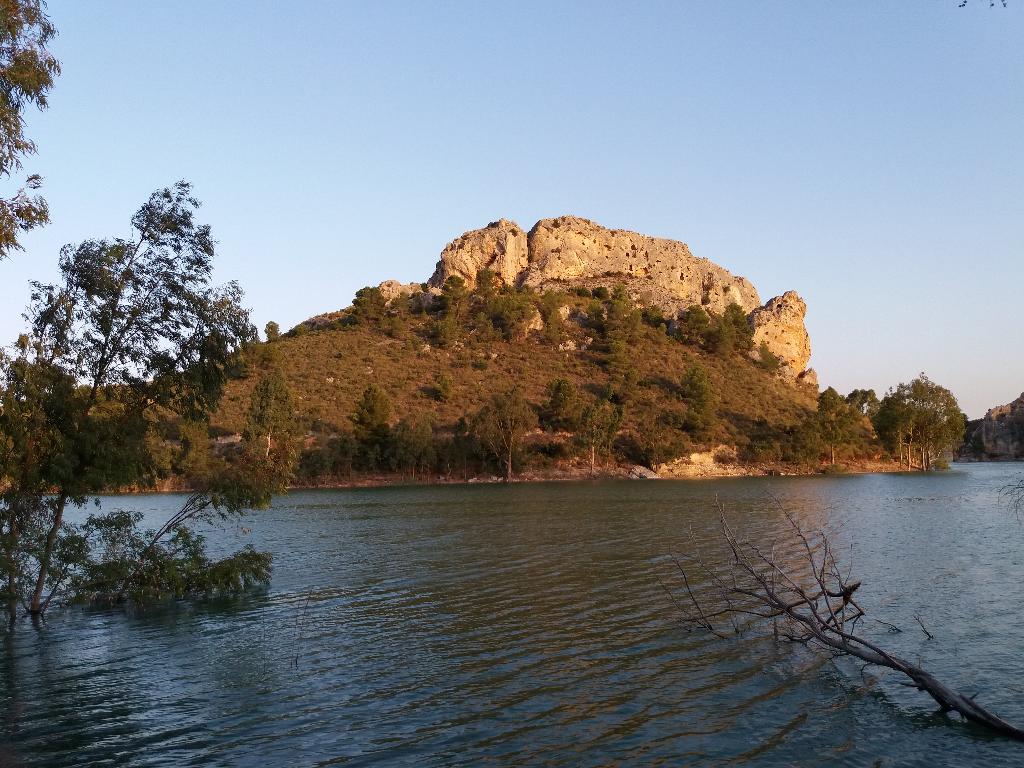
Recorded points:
(868, 155)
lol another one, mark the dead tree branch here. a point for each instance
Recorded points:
(802, 590)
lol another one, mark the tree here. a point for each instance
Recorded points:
(731, 332)
(921, 416)
(27, 72)
(799, 585)
(696, 391)
(413, 446)
(864, 401)
(597, 427)
(133, 335)
(500, 426)
(694, 324)
(272, 331)
(270, 419)
(371, 426)
(368, 306)
(835, 420)
(562, 410)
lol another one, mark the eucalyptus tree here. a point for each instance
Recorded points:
(133, 338)
(501, 425)
(27, 72)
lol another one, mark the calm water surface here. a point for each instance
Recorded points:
(528, 625)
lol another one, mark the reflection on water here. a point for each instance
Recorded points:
(528, 625)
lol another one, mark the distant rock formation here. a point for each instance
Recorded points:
(569, 252)
(500, 247)
(1001, 433)
(779, 325)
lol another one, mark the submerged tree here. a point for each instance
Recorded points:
(798, 587)
(27, 72)
(132, 338)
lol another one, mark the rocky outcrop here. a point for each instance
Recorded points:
(499, 247)
(779, 325)
(392, 289)
(1001, 432)
(568, 252)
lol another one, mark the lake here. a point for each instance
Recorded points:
(529, 624)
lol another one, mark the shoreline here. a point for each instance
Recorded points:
(713, 471)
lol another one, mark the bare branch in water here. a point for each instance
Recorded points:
(801, 589)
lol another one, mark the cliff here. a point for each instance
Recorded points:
(1000, 435)
(568, 252)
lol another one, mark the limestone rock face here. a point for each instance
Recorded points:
(392, 289)
(500, 247)
(570, 251)
(1002, 431)
(779, 325)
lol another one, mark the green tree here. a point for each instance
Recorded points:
(454, 299)
(134, 333)
(272, 331)
(371, 424)
(696, 391)
(443, 387)
(27, 72)
(836, 420)
(597, 426)
(694, 325)
(864, 401)
(551, 312)
(921, 417)
(501, 425)
(270, 419)
(731, 332)
(563, 407)
(767, 359)
(413, 451)
(369, 306)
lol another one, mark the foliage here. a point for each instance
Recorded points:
(731, 333)
(768, 359)
(368, 306)
(694, 325)
(864, 401)
(133, 338)
(371, 425)
(597, 426)
(27, 72)
(500, 426)
(563, 407)
(920, 416)
(835, 420)
(108, 559)
(696, 391)
(272, 331)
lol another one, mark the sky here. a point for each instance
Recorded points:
(868, 155)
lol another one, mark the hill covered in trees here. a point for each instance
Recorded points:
(570, 351)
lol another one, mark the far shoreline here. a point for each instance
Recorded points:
(582, 474)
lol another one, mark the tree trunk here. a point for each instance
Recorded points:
(508, 466)
(36, 607)
(12, 567)
(593, 450)
(832, 451)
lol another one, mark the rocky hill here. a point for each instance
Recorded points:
(568, 252)
(571, 309)
(1000, 434)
